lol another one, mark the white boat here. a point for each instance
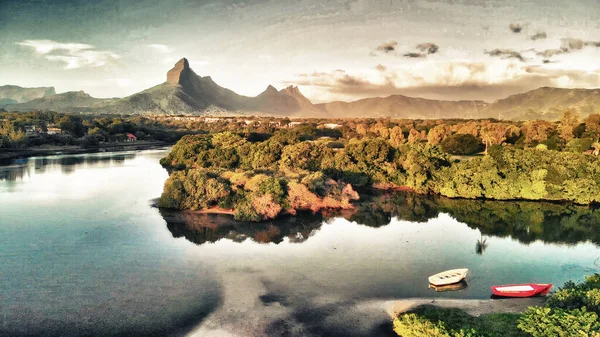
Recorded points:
(448, 277)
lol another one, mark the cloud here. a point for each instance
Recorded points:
(515, 27)
(577, 44)
(161, 48)
(538, 36)
(505, 53)
(428, 47)
(387, 47)
(414, 55)
(455, 80)
(572, 43)
(73, 55)
(381, 67)
(553, 52)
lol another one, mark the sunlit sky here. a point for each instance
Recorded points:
(334, 50)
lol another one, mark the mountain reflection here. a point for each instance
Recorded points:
(18, 169)
(524, 221)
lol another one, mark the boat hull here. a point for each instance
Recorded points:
(448, 277)
(521, 290)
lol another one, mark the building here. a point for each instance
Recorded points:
(29, 129)
(331, 126)
(54, 131)
(131, 137)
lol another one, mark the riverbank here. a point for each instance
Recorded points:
(470, 306)
(48, 150)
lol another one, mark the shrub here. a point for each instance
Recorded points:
(547, 322)
(462, 144)
(579, 145)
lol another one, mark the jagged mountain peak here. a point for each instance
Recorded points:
(179, 73)
(292, 90)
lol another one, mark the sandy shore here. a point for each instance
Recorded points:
(472, 307)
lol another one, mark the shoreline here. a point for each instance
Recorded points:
(473, 307)
(11, 154)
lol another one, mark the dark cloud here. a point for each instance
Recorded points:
(381, 67)
(506, 53)
(414, 55)
(515, 27)
(429, 48)
(551, 52)
(538, 36)
(387, 47)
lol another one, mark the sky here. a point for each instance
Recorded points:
(333, 50)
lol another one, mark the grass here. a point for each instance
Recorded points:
(489, 325)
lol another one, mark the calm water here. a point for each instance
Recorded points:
(82, 253)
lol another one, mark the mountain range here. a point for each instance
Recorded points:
(185, 92)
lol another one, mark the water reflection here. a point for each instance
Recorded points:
(206, 228)
(521, 220)
(18, 169)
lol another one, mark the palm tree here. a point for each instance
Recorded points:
(596, 147)
(481, 245)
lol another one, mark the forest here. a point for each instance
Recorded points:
(262, 171)
(22, 130)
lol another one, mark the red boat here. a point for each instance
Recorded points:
(521, 290)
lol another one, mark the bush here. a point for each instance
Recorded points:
(547, 322)
(462, 144)
(579, 145)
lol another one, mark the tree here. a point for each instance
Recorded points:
(592, 124)
(380, 130)
(568, 122)
(10, 134)
(462, 144)
(361, 129)
(537, 131)
(396, 136)
(414, 136)
(493, 134)
(438, 133)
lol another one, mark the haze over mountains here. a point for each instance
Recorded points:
(185, 92)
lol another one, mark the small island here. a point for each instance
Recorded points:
(322, 165)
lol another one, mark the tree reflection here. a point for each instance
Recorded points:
(17, 169)
(524, 221)
(481, 246)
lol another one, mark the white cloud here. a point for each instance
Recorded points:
(44, 47)
(161, 48)
(73, 55)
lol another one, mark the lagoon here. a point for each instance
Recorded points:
(84, 253)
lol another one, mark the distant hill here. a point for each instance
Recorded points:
(185, 92)
(13, 94)
(398, 106)
(546, 103)
(70, 101)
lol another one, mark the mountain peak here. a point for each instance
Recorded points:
(179, 72)
(270, 90)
